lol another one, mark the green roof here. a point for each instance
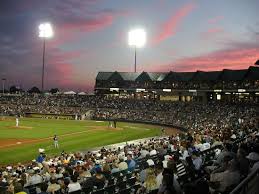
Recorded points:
(232, 75)
(226, 75)
(103, 75)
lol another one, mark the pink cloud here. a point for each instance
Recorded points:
(89, 25)
(169, 28)
(212, 32)
(215, 19)
(70, 31)
(237, 58)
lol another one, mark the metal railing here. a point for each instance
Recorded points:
(250, 185)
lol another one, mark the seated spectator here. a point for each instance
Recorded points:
(167, 186)
(18, 188)
(150, 183)
(144, 152)
(106, 170)
(196, 160)
(123, 165)
(98, 179)
(115, 168)
(53, 185)
(180, 168)
(253, 158)
(131, 163)
(227, 179)
(152, 151)
(34, 177)
(43, 188)
(74, 185)
(219, 162)
(243, 163)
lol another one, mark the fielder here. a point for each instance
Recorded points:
(17, 122)
(55, 139)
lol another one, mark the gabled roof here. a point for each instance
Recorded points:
(115, 77)
(179, 76)
(156, 76)
(143, 77)
(103, 75)
(232, 75)
(206, 76)
(226, 75)
(252, 73)
(162, 77)
(186, 76)
(128, 76)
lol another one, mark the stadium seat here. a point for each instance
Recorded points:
(131, 181)
(122, 185)
(76, 192)
(100, 191)
(125, 191)
(110, 189)
(153, 191)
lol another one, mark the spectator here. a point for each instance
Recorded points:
(74, 185)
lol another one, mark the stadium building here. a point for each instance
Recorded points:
(200, 86)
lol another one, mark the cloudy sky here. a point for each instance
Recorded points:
(91, 36)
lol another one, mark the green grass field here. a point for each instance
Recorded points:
(73, 136)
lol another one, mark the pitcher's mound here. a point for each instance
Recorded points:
(19, 127)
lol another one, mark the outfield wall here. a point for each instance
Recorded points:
(50, 116)
(145, 122)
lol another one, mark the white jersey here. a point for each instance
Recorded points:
(17, 122)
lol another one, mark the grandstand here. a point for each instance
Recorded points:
(225, 85)
(215, 150)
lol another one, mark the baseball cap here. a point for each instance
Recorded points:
(253, 156)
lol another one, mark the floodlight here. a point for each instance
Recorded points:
(137, 38)
(45, 30)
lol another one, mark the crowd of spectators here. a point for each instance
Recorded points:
(181, 85)
(165, 165)
(189, 115)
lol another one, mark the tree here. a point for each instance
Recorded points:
(34, 90)
(54, 90)
(14, 89)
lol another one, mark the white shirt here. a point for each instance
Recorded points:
(34, 179)
(123, 166)
(144, 153)
(159, 179)
(153, 152)
(185, 155)
(205, 146)
(197, 162)
(74, 187)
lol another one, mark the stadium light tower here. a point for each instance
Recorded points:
(3, 84)
(45, 31)
(136, 39)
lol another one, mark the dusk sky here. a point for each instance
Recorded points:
(91, 36)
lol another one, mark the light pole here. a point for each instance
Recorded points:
(3, 84)
(136, 39)
(45, 31)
